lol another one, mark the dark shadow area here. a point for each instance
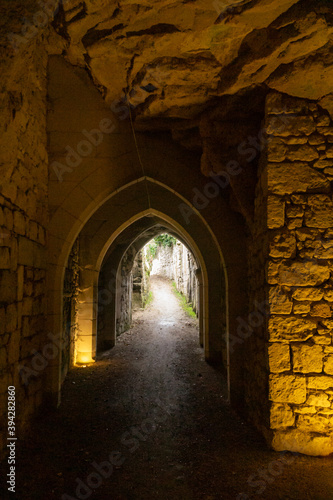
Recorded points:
(150, 419)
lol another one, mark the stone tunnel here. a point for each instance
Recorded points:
(211, 121)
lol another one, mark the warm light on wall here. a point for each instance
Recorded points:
(85, 348)
(84, 358)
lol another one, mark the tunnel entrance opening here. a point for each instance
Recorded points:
(166, 257)
(157, 248)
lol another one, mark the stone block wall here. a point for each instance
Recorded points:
(141, 277)
(23, 219)
(184, 268)
(125, 294)
(296, 238)
(164, 262)
(70, 309)
(124, 317)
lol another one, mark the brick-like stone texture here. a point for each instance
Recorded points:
(299, 267)
(287, 389)
(23, 221)
(307, 359)
(279, 357)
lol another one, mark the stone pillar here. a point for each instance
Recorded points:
(124, 299)
(70, 293)
(200, 300)
(106, 327)
(87, 308)
(138, 281)
(298, 249)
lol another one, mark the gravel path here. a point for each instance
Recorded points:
(154, 408)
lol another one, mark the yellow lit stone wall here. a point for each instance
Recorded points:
(23, 219)
(299, 274)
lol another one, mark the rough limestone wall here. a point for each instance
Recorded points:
(184, 268)
(133, 287)
(23, 219)
(124, 301)
(141, 278)
(70, 308)
(164, 262)
(137, 280)
(124, 317)
(300, 274)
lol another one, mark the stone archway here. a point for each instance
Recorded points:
(99, 198)
(196, 235)
(129, 243)
(104, 243)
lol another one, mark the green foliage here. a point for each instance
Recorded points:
(147, 299)
(162, 240)
(152, 249)
(165, 240)
(183, 302)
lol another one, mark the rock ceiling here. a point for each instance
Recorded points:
(172, 58)
(199, 68)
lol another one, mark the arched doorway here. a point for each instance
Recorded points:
(129, 243)
(108, 192)
(95, 255)
(104, 237)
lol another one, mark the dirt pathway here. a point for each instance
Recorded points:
(155, 409)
